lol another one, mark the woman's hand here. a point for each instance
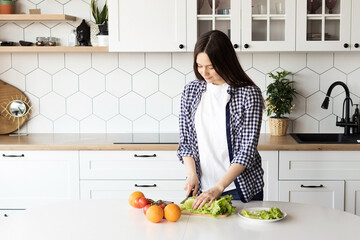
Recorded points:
(191, 184)
(209, 195)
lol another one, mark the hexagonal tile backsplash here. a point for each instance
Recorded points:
(134, 92)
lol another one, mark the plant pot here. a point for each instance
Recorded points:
(103, 40)
(278, 126)
(94, 31)
(6, 7)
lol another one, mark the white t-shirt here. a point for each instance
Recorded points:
(210, 125)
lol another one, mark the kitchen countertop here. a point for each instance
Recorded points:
(74, 142)
(115, 219)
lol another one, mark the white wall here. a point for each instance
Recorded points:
(134, 92)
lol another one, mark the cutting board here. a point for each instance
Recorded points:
(9, 93)
(184, 212)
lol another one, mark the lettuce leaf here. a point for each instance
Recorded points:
(273, 213)
(218, 207)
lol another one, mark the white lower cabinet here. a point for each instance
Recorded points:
(5, 213)
(324, 193)
(270, 165)
(116, 174)
(352, 197)
(30, 178)
(327, 178)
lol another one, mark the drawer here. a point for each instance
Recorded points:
(171, 190)
(130, 165)
(324, 193)
(316, 165)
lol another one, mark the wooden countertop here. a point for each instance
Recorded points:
(76, 142)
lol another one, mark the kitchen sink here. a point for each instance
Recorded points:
(326, 138)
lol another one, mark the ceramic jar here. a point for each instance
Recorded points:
(6, 7)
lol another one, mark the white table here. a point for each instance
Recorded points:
(115, 219)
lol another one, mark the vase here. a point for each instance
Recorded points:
(278, 126)
(94, 31)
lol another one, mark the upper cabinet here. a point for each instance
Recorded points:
(268, 25)
(325, 25)
(223, 15)
(147, 26)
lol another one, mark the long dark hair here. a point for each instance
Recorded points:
(223, 58)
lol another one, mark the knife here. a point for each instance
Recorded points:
(190, 195)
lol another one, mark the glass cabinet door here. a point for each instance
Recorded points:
(268, 25)
(219, 15)
(323, 25)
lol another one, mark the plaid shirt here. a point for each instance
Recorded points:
(243, 123)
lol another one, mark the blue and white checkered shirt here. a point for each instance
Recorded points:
(243, 123)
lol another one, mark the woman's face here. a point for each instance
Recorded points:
(206, 69)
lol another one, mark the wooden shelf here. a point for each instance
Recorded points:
(32, 49)
(36, 17)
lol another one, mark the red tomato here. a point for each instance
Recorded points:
(143, 202)
(136, 202)
(146, 208)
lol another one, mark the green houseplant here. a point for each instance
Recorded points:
(280, 94)
(100, 30)
(100, 17)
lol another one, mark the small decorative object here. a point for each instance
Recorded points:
(6, 43)
(17, 109)
(217, 3)
(52, 41)
(280, 94)
(72, 38)
(101, 18)
(83, 34)
(330, 4)
(313, 5)
(35, 11)
(41, 41)
(6, 7)
(25, 43)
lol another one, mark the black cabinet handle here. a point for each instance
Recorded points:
(181, 46)
(145, 155)
(346, 45)
(5, 155)
(5, 215)
(312, 186)
(246, 45)
(236, 45)
(356, 45)
(145, 185)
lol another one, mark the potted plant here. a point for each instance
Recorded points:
(280, 94)
(101, 28)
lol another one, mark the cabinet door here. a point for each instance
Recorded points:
(171, 190)
(218, 15)
(270, 166)
(29, 178)
(147, 25)
(323, 27)
(352, 197)
(355, 30)
(324, 193)
(268, 25)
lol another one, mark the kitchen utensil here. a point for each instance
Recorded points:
(185, 212)
(313, 5)
(330, 4)
(190, 195)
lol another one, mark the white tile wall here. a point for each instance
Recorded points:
(135, 92)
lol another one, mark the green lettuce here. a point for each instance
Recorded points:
(218, 207)
(273, 213)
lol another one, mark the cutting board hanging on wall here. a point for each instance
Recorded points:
(8, 94)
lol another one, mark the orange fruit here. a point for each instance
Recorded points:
(135, 195)
(154, 214)
(172, 212)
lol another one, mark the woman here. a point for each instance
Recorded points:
(220, 121)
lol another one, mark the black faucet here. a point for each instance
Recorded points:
(345, 120)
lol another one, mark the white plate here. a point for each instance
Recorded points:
(260, 220)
